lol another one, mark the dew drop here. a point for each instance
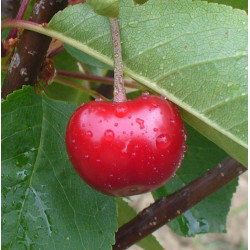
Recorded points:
(140, 122)
(109, 135)
(162, 141)
(185, 148)
(98, 160)
(86, 156)
(172, 121)
(134, 154)
(182, 131)
(73, 141)
(88, 134)
(144, 93)
(99, 99)
(121, 110)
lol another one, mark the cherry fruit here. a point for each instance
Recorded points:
(126, 148)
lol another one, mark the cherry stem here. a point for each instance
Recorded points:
(167, 208)
(102, 79)
(90, 92)
(19, 16)
(119, 90)
(55, 52)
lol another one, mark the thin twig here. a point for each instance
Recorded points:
(102, 79)
(90, 92)
(19, 16)
(119, 90)
(167, 208)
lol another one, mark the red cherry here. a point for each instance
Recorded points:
(127, 148)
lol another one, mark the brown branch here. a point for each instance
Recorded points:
(166, 209)
(31, 50)
(9, 8)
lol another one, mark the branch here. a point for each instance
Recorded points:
(166, 209)
(9, 8)
(31, 50)
(102, 79)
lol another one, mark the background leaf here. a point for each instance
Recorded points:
(208, 216)
(107, 8)
(140, 1)
(64, 61)
(126, 213)
(238, 4)
(85, 58)
(45, 204)
(194, 53)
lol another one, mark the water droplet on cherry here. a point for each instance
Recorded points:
(185, 148)
(144, 95)
(99, 99)
(121, 110)
(109, 135)
(88, 134)
(86, 156)
(162, 141)
(140, 122)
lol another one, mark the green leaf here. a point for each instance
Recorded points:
(45, 204)
(126, 213)
(194, 53)
(107, 8)
(85, 58)
(238, 4)
(208, 216)
(64, 61)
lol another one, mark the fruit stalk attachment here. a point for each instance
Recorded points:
(119, 90)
